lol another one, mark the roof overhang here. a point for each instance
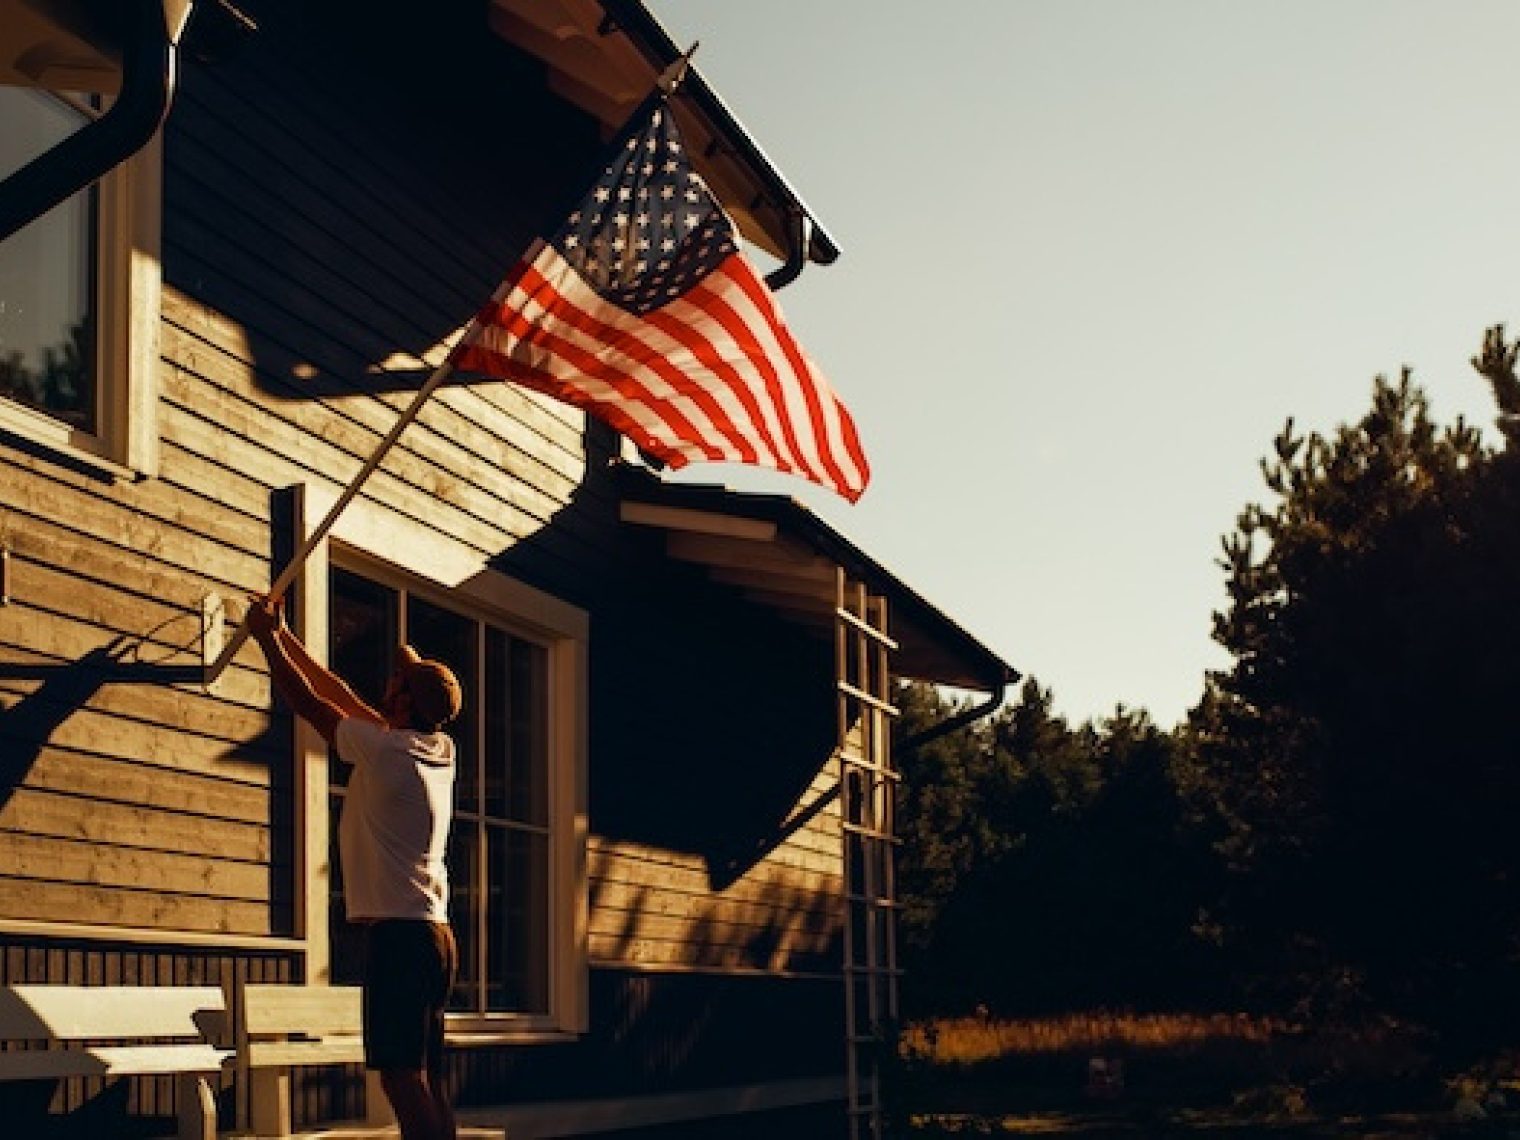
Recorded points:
(124, 48)
(70, 45)
(604, 57)
(780, 555)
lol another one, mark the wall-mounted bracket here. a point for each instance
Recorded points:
(213, 638)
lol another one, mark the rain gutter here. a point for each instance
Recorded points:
(807, 240)
(960, 720)
(147, 87)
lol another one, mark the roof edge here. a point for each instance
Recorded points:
(647, 34)
(793, 517)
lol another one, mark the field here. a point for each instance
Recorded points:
(1179, 1075)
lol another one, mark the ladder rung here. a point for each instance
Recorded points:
(855, 760)
(871, 833)
(875, 702)
(865, 627)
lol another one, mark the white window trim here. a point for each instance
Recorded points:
(129, 281)
(369, 535)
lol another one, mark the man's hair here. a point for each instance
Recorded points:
(435, 692)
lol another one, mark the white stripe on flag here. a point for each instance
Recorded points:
(635, 330)
(816, 437)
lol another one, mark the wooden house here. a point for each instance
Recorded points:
(671, 857)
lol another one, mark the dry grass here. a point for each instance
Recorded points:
(976, 1040)
(1186, 1074)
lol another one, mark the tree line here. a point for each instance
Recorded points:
(1330, 833)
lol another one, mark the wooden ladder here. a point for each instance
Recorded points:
(868, 797)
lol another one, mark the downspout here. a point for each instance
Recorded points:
(963, 718)
(808, 239)
(798, 228)
(147, 86)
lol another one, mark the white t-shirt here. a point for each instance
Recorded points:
(394, 828)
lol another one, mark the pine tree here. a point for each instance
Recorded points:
(1354, 762)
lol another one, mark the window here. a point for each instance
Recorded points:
(510, 819)
(47, 306)
(79, 291)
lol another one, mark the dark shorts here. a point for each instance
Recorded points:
(409, 969)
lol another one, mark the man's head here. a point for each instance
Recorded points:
(422, 693)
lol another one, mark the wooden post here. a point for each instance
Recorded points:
(269, 1102)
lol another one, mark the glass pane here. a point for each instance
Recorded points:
(464, 911)
(517, 918)
(529, 701)
(448, 637)
(517, 734)
(499, 712)
(361, 639)
(47, 320)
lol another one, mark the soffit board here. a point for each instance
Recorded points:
(596, 67)
(780, 568)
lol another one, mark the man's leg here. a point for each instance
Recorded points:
(416, 1107)
(407, 972)
(448, 970)
(443, 1110)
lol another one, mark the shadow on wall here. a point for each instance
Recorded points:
(342, 190)
(29, 724)
(712, 716)
(345, 191)
(788, 921)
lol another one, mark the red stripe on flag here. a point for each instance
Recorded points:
(707, 354)
(631, 388)
(477, 357)
(625, 341)
(734, 445)
(730, 356)
(814, 387)
(736, 269)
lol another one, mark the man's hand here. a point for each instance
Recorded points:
(266, 617)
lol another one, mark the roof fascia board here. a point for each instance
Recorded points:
(645, 32)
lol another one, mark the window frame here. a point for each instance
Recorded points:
(438, 567)
(127, 298)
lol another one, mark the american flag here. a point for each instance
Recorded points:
(642, 310)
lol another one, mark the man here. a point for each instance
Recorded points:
(392, 837)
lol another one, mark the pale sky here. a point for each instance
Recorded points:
(1095, 253)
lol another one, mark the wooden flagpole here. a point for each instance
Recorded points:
(288, 575)
(666, 82)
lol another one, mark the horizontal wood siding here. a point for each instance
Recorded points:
(655, 908)
(332, 212)
(308, 243)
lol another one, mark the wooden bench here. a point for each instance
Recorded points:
(130, 1031)
(286, 1027)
